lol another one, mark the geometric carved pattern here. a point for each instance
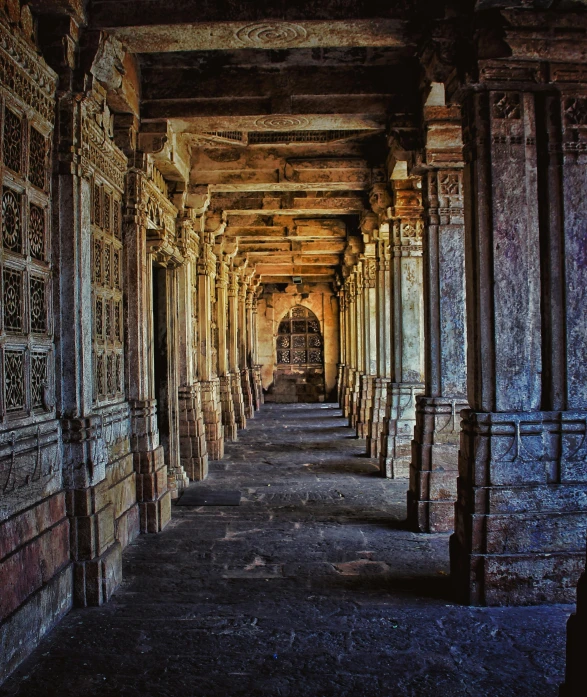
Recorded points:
(107, 333)
(12, 150)
(26, 343)
(299, 340)
(11, 222)
(575, 109)
(37, 232)
(37, 158)
(506, 105)
(38, 304)
(12, 300)
(15, 395)
(39, 365)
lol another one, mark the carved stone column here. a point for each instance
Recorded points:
(209, 382)
(521, 513)
(407, 322)
(434, 470)
(342, 346)
(249, 302)
(233, 346)
(243, 345)
(359, 339)
(351, 330)
(367, 379)
(383, 315)
(192, 432)
(257, 382)
(228, 418)
(89, 350)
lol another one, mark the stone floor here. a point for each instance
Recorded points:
(312, 587)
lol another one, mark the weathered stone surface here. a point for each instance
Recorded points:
(311, 586)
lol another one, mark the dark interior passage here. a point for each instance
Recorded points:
(310, 587)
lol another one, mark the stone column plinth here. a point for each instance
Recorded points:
(377, 419)
(434, 467)
(192, 433)
(212, 411)
(397, 431)
(366, 402)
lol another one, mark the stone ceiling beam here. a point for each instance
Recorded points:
(297, 212)
(269, 34)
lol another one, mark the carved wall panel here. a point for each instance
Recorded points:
(107, 289)
(26, 321)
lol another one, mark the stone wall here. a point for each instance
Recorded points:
(274, 304)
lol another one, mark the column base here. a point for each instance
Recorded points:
(375, 428)
(247, 393)
(521, 512)
(354, 394)
(228, 418)
(153, 495)
(365, 405)
(237, 400)
(435, 464)
(259, 399)
(576, 673)
(346, 392)
(192, 433)
(212, 413)
(395, 454)
(340, 382)
(96, 554)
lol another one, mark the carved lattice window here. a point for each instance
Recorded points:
(299, 340)
(12, 149)
(26, 341)
(37, 158)
(11, 222)
(107, 289)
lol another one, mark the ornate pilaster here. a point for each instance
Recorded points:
(407, 322)
(383, 313)
(192, 433)
(359, 339)
(521, 511)
(340, 375)
(209, 382)
(243, 325)
(233, 349)
(228, 417)
(434, 470)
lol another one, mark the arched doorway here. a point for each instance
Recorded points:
(299, 372)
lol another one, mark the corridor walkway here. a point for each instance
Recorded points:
(311, 588)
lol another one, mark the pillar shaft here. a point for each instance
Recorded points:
(228, 416)
(520, 465)
(244, 346)
(434, 470)
(407, 326)
(233, 350)
(210, 384)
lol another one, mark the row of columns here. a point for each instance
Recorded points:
(473, 266)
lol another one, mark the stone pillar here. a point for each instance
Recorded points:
(359, 339)
(407, 326)
(367, 379)
(192, 433)
(89, 432)
(233, 346)
(521, 511)
(340, 377)
(149, 461)
(257, 382)
(243, 345)
(434, 470)
(383, 314)
(249, 302)
(351, 331)
(228, 417)
(209, 382)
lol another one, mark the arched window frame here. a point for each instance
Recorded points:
(299, 340)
